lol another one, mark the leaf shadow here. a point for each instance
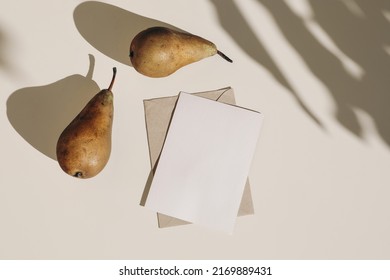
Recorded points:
(361, 38)
(3, 62)
(235, 24)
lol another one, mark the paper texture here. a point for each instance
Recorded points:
(203, 167)
(158, 113)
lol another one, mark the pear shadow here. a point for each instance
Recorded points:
(110, 29)
(362, 39)
(235, 24)
(40, 114)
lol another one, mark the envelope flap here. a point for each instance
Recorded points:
(168, 221)
(158, 113)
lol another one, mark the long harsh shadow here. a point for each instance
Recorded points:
(235, 24)
(360, 33)
(39, 114)
(110, 29)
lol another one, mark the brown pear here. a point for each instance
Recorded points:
(159, 51)
(84, 147)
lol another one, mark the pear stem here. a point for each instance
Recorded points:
(113, 78)
(224, 56)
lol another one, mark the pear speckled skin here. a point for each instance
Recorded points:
(159, 51)
(84, 147)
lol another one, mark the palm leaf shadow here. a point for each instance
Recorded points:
(235, 24)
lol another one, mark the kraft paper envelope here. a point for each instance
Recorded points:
(158, 113)
(203, 166)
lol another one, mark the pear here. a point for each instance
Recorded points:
(160, 51)
(84, 147)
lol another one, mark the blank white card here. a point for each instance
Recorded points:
(205, 161)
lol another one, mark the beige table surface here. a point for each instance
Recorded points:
(317, 70)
